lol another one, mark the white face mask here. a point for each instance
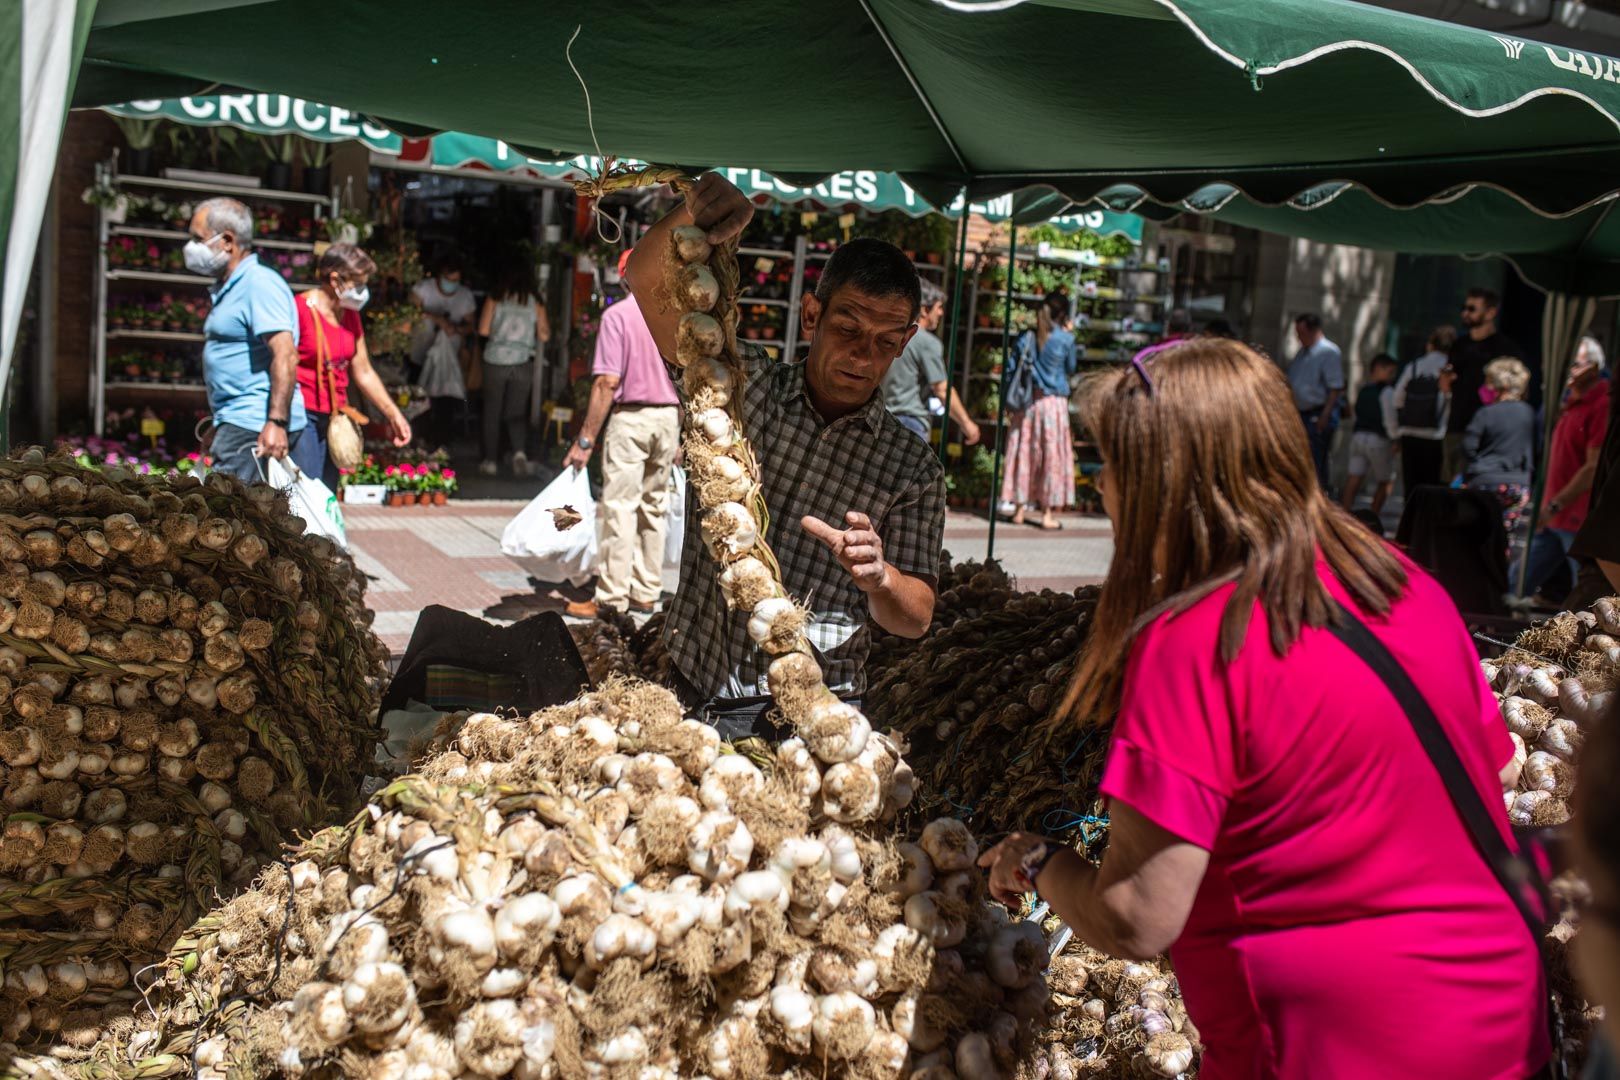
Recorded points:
(354, 299)
(201, 258)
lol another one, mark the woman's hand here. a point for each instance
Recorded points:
(400, 428)
(1006, 863)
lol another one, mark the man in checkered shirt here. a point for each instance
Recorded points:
(857, 502)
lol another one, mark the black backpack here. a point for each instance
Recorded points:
(1421, 407)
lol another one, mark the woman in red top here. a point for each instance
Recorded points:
(324, 374)
(1275, 822)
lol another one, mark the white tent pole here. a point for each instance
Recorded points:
(47, 63)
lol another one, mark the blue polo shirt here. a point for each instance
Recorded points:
(251, 304)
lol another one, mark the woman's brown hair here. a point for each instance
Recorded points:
(1214, 484)
(345, 260)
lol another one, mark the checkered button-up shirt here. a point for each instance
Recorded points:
(864, 461)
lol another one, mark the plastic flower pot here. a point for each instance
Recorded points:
(397, 498)
(440, 498)
(425, 499)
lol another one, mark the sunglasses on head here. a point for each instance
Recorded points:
(1139, 362)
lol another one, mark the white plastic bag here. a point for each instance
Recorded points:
(441, 371)
(308, 498)
(568, 555)
(674, 529)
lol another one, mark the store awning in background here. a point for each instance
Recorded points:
(277, 114)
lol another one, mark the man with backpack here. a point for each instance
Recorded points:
(1422, 408)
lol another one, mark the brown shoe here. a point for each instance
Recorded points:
(581, 609)
(642, 607)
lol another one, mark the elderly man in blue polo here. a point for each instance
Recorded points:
(250, 351)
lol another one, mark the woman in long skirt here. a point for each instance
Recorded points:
(1040, 447)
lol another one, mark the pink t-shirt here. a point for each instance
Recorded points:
(625, 347)
(1346, 927)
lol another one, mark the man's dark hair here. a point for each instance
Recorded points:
(1220, 328)
(1057, 306)
(1310, 320)
(448, 262)
(1179, 322)
(931, 294)
(1383, 359)
(1443, 338)
(874, 267)
(1486, 296)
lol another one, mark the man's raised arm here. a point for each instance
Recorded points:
(713, 205)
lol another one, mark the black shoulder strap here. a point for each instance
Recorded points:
(1511, 871)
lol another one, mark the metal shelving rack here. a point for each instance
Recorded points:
(1129, 332)
(100, 385)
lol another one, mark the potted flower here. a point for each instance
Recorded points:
(447, 478)
(130, 364)
(365, 483)
(430, 486)
(395, 483)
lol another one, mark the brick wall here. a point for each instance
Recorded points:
(89, 137)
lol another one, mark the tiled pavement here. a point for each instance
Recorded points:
(451, 555)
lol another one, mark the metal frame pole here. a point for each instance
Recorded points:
(1001, 398)
(951, 339)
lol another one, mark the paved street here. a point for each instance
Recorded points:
(452, 556)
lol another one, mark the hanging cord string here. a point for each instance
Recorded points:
(606, 164)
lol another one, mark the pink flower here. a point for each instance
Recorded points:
(449, 474)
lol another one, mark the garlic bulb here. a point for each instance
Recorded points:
(697, 337)
(1017, 954)
(843, 1026)
(747, 582)
(949, 845)
(379, 997)
(696, 288)
(730, 778)
(620, 935)
(834, 731)
(719, 846)
(796, 765)
(851, 792)
(917, 870)
(923, 913)
(774, 624)
(730, 529)
(794, 1011)
(489, 1038)
(716, 427)
(691, 244)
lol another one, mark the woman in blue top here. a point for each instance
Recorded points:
(1040, 449)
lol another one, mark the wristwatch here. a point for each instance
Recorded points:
(584, 443)
(278, 421)
(1035, 861)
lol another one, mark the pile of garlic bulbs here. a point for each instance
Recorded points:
(1113, 1018)
(603, 889)
(184, 683)
(1553, 686)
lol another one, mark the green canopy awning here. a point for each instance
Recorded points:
(1273, 96)
(1164, 97)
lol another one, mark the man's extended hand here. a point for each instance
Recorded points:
(273, 441)
(970, 433)
(858, 548)
(718, 207)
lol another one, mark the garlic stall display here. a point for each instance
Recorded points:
(603, 889)
(975, 701)
(1554, 685)
(185, 682)
(1113, 1019)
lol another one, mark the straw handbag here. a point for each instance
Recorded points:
(345, 444)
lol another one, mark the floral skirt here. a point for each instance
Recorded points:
(1040, 456)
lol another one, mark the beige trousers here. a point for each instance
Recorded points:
(637, 451)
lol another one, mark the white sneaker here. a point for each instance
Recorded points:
(520, 464)
(487, 468)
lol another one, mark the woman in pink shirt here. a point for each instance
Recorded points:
(1275, 823)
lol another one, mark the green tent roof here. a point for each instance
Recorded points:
(1272, 96)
